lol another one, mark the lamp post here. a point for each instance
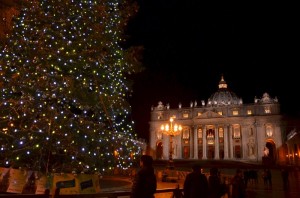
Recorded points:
(172, 129)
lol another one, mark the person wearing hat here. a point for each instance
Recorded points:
(195, 184)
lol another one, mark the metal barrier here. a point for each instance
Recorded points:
(177, 193)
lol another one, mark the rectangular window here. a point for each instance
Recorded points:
(236, 132)
(199, 114)
(185, 115)
(249, 112)
(159, 116)
(235, 112)
(267, 110)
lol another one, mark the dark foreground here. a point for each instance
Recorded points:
(255, 189)
(119, 184)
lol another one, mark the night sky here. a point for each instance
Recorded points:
(188, 46)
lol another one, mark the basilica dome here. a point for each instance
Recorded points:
(224, 96)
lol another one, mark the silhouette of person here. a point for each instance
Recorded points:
(47, 193)
(195, 184)
(144, 183)
(56, 192)
(238, 185)
(214, 184)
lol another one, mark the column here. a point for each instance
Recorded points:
(289, 151)
(217, 152)
(153, 139)
(244, 130)
(256, 141)
(195, 142)
(179, 144)
(204, 143)
(166, 146)
(191, 142)
(230, 142)
(260, 132)
(226, 142)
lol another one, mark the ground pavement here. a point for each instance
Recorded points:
(254, 190)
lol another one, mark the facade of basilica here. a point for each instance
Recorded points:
(221, 128)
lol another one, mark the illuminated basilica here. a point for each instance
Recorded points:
(221, 128)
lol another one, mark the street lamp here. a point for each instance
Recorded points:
(171, 130)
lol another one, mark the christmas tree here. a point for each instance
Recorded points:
(65, 83)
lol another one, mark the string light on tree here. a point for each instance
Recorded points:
(64, 82)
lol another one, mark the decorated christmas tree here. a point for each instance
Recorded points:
(65, 83)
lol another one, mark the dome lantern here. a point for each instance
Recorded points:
(224, 96)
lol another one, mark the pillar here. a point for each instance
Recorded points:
(204, 144)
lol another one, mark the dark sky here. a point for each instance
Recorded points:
(188, 46)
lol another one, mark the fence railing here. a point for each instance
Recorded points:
(176, 192)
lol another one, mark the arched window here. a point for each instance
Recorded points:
(186, 134)
(200, 133)
(269, 130)
(236, 132)
(159, 135)
(221, 132)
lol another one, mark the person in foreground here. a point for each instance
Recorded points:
(238, 185)
(144, 183)
(214, 184)
(195, 184)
